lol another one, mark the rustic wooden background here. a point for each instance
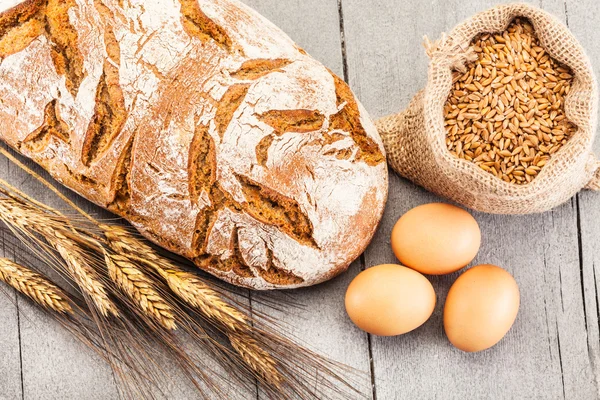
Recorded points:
(553, 350)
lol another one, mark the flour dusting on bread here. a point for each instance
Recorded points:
(203, 125)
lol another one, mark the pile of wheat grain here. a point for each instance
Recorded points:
(506, 112)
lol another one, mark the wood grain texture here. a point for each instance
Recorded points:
(54, 364)
(312, 24)
(583, 17)
(10, 351)
(322, 323)
(549, 342)
(552, 352)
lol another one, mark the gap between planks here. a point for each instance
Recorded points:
(362, 256)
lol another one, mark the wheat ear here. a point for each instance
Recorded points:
(135, 284)
(85, 277)
(202, 298)
(257, 358)
(34, 286)
(185, 285)
(30, 221)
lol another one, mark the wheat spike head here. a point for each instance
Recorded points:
(31, 221)
(185, 285)
(85, 277)
(270, 357)
(257, 358)
(34, 286)
(135, 284)
(201, 297)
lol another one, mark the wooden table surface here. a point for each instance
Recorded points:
(553, 350)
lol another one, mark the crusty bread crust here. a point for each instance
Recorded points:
(203, 125)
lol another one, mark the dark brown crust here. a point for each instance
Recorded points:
(204, 223)
(201, 163)
(19, 14)
(283, 121)
(275, 209)
(255, 69)
(197, 24)
(50, 18)
(300, 121)
(65, 52)
(278, 276)
(348, 120)
(342, 154)
(219, 200)
(228, 105)
(238, 264)
(20, 25)
(53, 125)
(262, 150)
(110, 114)
(263, 204)
(81, 179)
(113, 49)
(235, 263)
(120, 185)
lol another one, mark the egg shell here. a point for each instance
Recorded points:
(481, 307)
(389, 299)
(436, 238)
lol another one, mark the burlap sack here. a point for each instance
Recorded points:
(415, 138)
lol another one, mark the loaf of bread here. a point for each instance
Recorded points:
(200, 123)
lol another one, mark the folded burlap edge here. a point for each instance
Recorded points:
(571, 169)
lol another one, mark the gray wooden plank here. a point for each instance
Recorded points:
(312, 24)
(10, 367)
(589, 206)
(41, 353)
(583, 17)
(549, 341)
(10, 349)
(322, 325)
(55, 365)
(578, 366)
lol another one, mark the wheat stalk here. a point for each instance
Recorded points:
(135, 284)
(201, 297)
(30, 221)
(257, 358)
(282, 366)
(85, 276)
(124, 273)
(185, 285)
(34, 286)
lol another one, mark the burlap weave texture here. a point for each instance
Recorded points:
(415, 138)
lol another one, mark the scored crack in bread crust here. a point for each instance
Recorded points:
(203, 125)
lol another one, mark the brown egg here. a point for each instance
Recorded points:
(436, 238)
(481, 307)
(389, 299)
